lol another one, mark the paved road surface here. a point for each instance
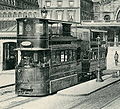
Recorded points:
(95, 100)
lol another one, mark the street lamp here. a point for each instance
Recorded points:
(99, 76)
(44, 12)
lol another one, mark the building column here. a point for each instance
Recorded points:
(115, 40)
(1, 56)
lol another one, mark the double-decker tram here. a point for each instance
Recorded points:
(89, 52)
(53, 55)
(47, 57)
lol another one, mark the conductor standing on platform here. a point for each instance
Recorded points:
(116, 56)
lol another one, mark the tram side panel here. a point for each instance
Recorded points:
(65, 67)
(64, 70)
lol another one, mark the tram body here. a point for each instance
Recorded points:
(50, 58)
(47, 60)
(89, 54)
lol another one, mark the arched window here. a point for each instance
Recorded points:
(96, 8)
(14, 14)
(35, 14)
(24, 14)
(96, 18)
(19, 14)
(9, 14)
(118, 16)
(30, 14)
(4, 14)
(107, 18)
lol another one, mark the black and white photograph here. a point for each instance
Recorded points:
(59, 54)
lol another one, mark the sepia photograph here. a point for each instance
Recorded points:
(59, 54)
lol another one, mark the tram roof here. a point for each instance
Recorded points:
(32, 49)
(51, 21)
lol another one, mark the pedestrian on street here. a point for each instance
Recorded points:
(116, 56)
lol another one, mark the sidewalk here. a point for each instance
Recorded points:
(89, 86)
(7, 78)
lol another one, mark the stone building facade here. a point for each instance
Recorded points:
(75, 10)
(18, 4)
(8, 29)
(86, 8)
(108, 11)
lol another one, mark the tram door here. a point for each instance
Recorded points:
(9, 59)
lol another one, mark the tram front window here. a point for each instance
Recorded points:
(20, 32)
(39, 29)
(34, 59)
(26, 59)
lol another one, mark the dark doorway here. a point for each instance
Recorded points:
(9, 58)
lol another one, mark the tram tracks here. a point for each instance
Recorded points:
(8, 98)
(112, 100)
(13, 100)
(17, 101)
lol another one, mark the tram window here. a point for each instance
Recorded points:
(53, 57)
(95, 55)
(56, 29)
(35, 57)
(58, 57)
(39, 28)
(74, 55)
(46, 56)
(27, 59)
(62, 56)
(20, 32)
(101, 55)
(66, 55)
(91, 55)
(78, 53)
(70, 55)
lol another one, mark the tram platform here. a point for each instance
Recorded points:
(89, 87)
(7, 78)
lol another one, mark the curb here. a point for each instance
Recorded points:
(86, 94)
(7, 86)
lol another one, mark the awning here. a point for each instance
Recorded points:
(10, 29)
(10, 32)
(95, 30)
